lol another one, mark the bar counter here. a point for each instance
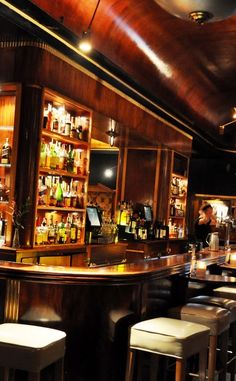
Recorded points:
(94, 306)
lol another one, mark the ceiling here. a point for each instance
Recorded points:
(189, 68)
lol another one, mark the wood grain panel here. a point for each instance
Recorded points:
(140, 176)
(68, 80)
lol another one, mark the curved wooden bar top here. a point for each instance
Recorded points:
(124, 273)
(94, 306)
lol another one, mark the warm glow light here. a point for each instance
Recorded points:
(234, 113)
(85, 44)
(108, 173)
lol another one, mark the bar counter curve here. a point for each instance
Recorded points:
(94, 306)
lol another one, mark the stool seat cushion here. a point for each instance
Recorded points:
(29, 347)
(228, 304)
(225, 292)
(169, 337)
(215, 318)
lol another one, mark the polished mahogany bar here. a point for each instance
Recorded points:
(95, 306)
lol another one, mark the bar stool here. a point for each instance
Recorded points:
(31, 348)
(229, 305)
(217, 320)
(171, 338)
(225, 292)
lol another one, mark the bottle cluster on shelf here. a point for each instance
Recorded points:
(177, 208)
(6, 151)
(59, 229)
(178, 187)
(56, 191)
(59, 120)
(57, 156)
(139, 223)
(176, 230)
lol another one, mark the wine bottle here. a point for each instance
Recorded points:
(73, 231)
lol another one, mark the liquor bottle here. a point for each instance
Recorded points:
(59, 193)
(85, 133)
(157, 230)
(70, 160)
(67, 125)
(62, 231)
(172, 207)
(43, 154)
(6, 152)
(48, 114)
(68, 228)
(44, 230)
(73, 231)
(51, 231)
(55, 123)
(73, 131)
(175, 186)
(53, 156)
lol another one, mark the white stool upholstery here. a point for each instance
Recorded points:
(169, 337)
(30, 348)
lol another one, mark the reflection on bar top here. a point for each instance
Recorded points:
(135, 268)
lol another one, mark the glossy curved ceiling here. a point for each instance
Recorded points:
(191, 68)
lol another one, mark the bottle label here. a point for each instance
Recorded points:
(73, 234)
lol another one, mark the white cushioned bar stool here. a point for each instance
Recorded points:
(31, 348)
(172, 338)
(217, 320)
(229, 293)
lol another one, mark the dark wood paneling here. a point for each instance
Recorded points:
(140, 176)
(164, 184)
(52, 72)
(28, 157)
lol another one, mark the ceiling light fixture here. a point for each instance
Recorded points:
(222, 126)
(199, 11)
(112, 133)
(85, 42)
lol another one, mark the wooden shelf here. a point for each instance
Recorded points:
(179, 197)
(58, 208)
(65, 139)
(4, 202)
(6, 128)
(177, 217)
(69, 245)
(60, 172)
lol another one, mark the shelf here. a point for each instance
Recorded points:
(64, 139)
(57, 208)
(60, 172)
(179, 197)
(6, 128)
(4, 202)
(177, 217)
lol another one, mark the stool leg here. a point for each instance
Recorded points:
(232, 366)
(224, 355)
(34, 376)
(202, 365)
(130, 365)
(154, 365)
(180, 369)
(212, 358)
(59, 370)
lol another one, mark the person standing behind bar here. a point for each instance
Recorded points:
(204, 223)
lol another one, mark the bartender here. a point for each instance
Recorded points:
(204, 223)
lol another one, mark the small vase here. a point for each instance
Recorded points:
(16, 238)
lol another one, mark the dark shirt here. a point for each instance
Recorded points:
(202, 231)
